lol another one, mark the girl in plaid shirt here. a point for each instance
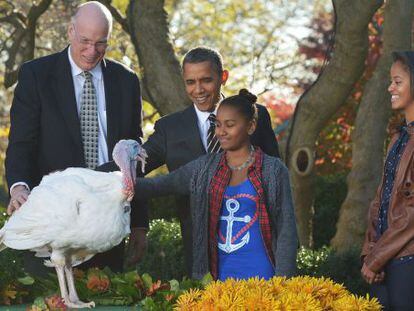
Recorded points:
(242, 212)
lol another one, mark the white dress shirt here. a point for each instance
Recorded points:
(98, 82)
(203, 124)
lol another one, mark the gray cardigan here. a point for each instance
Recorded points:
(194, 179)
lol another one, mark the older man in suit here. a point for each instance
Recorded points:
(70, 109)
(188, 134)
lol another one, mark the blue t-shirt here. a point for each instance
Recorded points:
(241, 250)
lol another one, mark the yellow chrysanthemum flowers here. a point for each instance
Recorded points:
(301, 293)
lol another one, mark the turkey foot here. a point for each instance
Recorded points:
(79, 304)
(74, 301)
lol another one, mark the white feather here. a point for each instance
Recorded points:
(78, 211)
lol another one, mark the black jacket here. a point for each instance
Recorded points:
(45, 129)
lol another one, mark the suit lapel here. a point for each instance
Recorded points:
(62, 85)
(113, 100)
(193, 139)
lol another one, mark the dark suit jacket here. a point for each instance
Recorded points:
(45, 128)
(176, 139)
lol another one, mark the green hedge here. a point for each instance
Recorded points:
(162, 208)
(164, 258)
(11, 270)
(342, 268)
(330, 193)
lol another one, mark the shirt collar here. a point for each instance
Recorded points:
(411, 124)
(406, 126)
(96, 71)
(202, 116)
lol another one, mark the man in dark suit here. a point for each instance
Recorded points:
(182, 136)
(55, 98)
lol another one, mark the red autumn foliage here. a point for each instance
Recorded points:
(157, 286)
(280, 110)
(55, 303)
(139, 284)
(98, 283)
(78, 274)
(169, 297)
(333, 147)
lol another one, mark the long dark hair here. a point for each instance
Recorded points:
(406, 58)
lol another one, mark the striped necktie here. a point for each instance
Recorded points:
(89, 122)
(213, 145)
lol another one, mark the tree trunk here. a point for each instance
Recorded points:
(23, 44)
(370, 130)
(162, 81)
(323, 99)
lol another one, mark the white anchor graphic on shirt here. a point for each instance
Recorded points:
(233, 206)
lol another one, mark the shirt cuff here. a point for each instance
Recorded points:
(20, 183)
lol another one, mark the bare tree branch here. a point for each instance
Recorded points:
(175, 4)
(37, 10)
(17, 19)
(122, 20)
(4, 44)
(5, 3)
(288, 65)
(266, 44)
(265, 90)
(23, 44)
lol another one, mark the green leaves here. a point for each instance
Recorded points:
(175, 285)
(27, 280)
(147, 279)
(207, 279)
(11, 289)
(113, 289)
(113, 301)
(164, 258)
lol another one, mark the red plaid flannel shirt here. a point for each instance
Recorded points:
(217, 188)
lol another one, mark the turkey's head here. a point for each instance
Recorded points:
(126, 153)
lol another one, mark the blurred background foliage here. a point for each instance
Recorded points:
(276, 49)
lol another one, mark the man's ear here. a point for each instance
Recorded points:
(70, 32)
(224, 77)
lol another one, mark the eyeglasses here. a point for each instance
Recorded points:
(100, 46)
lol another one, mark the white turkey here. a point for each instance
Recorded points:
(74, 214)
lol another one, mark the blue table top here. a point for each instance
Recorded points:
(107, 308)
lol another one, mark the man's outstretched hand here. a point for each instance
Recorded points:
(18, 196)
